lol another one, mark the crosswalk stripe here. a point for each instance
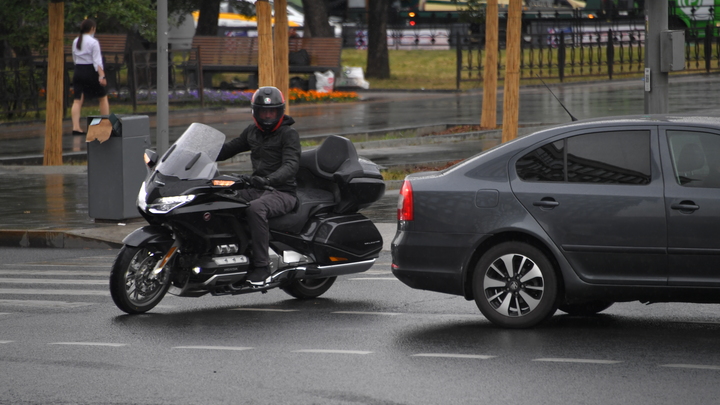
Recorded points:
(331, 351)
(89, 344)
(88, 273)
(588, 361)
(30, 291)
(454, 356)
(45, 303)
(691, 366)
(213, 348)
(51, 281)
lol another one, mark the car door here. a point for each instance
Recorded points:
(692, 199)
(599, 195)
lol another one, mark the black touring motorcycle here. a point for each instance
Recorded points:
(197, 241)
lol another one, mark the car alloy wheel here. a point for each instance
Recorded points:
(515, 285)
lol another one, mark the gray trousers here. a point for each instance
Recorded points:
(264, 205)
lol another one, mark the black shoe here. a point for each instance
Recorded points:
(258, 276)
(78, 132)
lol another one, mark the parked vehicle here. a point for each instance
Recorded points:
(197, 241)
(575, 217)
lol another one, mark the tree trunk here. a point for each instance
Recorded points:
(208, 19)
(316, 19)
(378, 61)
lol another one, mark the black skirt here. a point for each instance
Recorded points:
(86, 81)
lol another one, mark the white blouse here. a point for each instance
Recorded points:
(89, 54)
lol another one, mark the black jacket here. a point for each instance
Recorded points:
(275, 155)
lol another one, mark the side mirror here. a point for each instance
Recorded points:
(150, 157)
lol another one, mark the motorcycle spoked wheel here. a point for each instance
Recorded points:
(306, 289)
(132, 286)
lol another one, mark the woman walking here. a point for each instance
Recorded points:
(89, 76)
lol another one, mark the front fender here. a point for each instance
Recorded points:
(151, 234)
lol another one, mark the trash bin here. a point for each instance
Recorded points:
(116, 168)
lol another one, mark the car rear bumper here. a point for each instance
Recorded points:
(432, 261)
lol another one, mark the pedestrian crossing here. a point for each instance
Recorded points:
(82, 281)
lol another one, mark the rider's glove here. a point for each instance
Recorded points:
(259, 182)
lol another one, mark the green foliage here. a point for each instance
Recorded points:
(24, 23)
(472, 11)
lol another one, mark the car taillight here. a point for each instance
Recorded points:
(405, 202)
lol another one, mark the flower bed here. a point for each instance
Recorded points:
(240, 97)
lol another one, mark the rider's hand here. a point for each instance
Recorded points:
(259, 182)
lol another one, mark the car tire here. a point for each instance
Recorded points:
(515, 285)
(586, 308)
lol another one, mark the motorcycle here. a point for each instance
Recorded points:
(197, 241)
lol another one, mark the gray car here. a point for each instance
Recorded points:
(575, 217)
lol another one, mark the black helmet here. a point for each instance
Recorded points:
(267, 99)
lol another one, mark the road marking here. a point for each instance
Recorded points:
(374, 278)
(90, 266)
(588, 361)
(54, 273)
(692, 366)
(264, 310)
(454, 356)
(366, 313)
(52, 281)
(4, 342)
(42, 303)
(22, 291)
(213, 348)
(4, 313)
(331, 351)
(89, 344)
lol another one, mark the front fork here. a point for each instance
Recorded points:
(161, 264)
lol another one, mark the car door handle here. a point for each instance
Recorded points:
(549, 203)
(685, 206)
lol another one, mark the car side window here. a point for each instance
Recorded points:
(696, 158)
(546, 163)
(617, 157)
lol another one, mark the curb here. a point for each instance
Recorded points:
(52, 239)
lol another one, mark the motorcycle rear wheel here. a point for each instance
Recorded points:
(306, 289)
(132, 286)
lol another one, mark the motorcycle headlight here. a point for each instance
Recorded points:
(142, 198)
(166, 204)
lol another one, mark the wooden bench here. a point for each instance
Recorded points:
(240, 54)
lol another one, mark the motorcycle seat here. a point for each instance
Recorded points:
(310, 201)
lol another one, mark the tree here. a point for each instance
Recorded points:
(208, 18)
(316, 19)
(378, 61)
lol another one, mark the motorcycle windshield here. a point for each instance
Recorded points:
(193, 155)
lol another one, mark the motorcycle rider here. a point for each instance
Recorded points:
(275, 154)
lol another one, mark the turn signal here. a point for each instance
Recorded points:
(338, 259)
(405, 202)
(223, 183)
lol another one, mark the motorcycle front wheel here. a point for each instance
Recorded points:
(305, 289)
(133, 287)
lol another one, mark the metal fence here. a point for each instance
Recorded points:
(565, 50)
(130, 80)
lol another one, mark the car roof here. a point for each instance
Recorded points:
(648, 119)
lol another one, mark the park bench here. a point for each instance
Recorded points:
(240, 55)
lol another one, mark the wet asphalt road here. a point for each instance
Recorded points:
(369, 340)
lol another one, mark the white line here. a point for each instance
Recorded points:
(21, 291)
(454, 356)
(54, 273)
(694, 366)
(264, 310)
(52, 281)
(89, 344)
(42, 303)
(373, 279)
(213, 348)
(589, 361)
(4, 313)
(366, 313)
(59, 265)
(331, 351)
(2, 342)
